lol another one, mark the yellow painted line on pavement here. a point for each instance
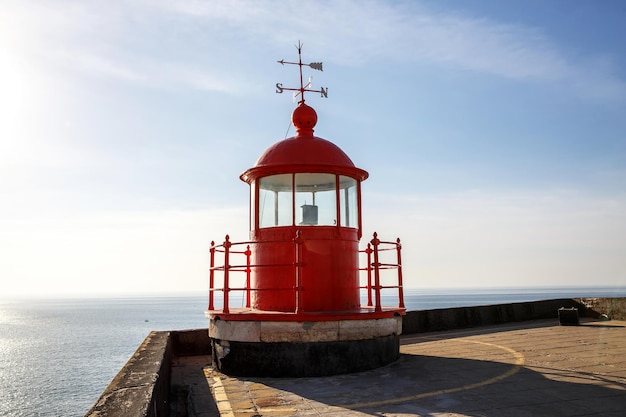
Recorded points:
(517, 365)
(221, 399)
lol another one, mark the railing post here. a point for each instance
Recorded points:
(375, 242)
(211, 276)
(227, 246)
(400, 288)
(248, 253)
(368, 251)
(298, 270)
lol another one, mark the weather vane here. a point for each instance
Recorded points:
(303, 87)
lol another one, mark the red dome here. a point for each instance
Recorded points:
(303, 153)
(304, 150)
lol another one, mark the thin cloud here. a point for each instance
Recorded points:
(162, 250)
(110, 40)
(357, 32)
(113, 41)
(534, 238)
(151, 73)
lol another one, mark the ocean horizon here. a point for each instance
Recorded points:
(58, 354)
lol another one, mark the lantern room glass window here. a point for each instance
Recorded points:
(275, 201)
(305, 199)
(348, 202)
(315, 199)
(252, 204)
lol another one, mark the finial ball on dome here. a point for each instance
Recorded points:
(304, 119)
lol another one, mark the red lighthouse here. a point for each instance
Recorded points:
(302, 280)
(306, 185)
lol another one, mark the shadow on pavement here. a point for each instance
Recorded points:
(428, 385)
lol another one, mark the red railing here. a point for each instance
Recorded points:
(376, 266)
(374, 247)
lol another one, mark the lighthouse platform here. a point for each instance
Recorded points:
(524, 369)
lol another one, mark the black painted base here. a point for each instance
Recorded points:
(289, 359)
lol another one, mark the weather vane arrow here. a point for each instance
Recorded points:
(315, 65)
(303, 87)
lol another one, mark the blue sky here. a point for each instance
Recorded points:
(493, 132)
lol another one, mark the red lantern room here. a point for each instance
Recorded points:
(303, 283)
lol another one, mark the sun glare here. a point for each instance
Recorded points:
(15, 92)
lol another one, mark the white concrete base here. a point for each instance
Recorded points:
(308, 331)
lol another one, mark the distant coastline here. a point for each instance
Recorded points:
(560, 291)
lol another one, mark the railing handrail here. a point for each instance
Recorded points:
(372, 288)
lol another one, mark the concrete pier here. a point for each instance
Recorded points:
(527, 369)
(515, 368)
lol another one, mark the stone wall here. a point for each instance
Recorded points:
(462, 317)
(608, 308)
(141, 388)
(191, 342)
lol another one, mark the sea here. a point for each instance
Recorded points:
(58, 355)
